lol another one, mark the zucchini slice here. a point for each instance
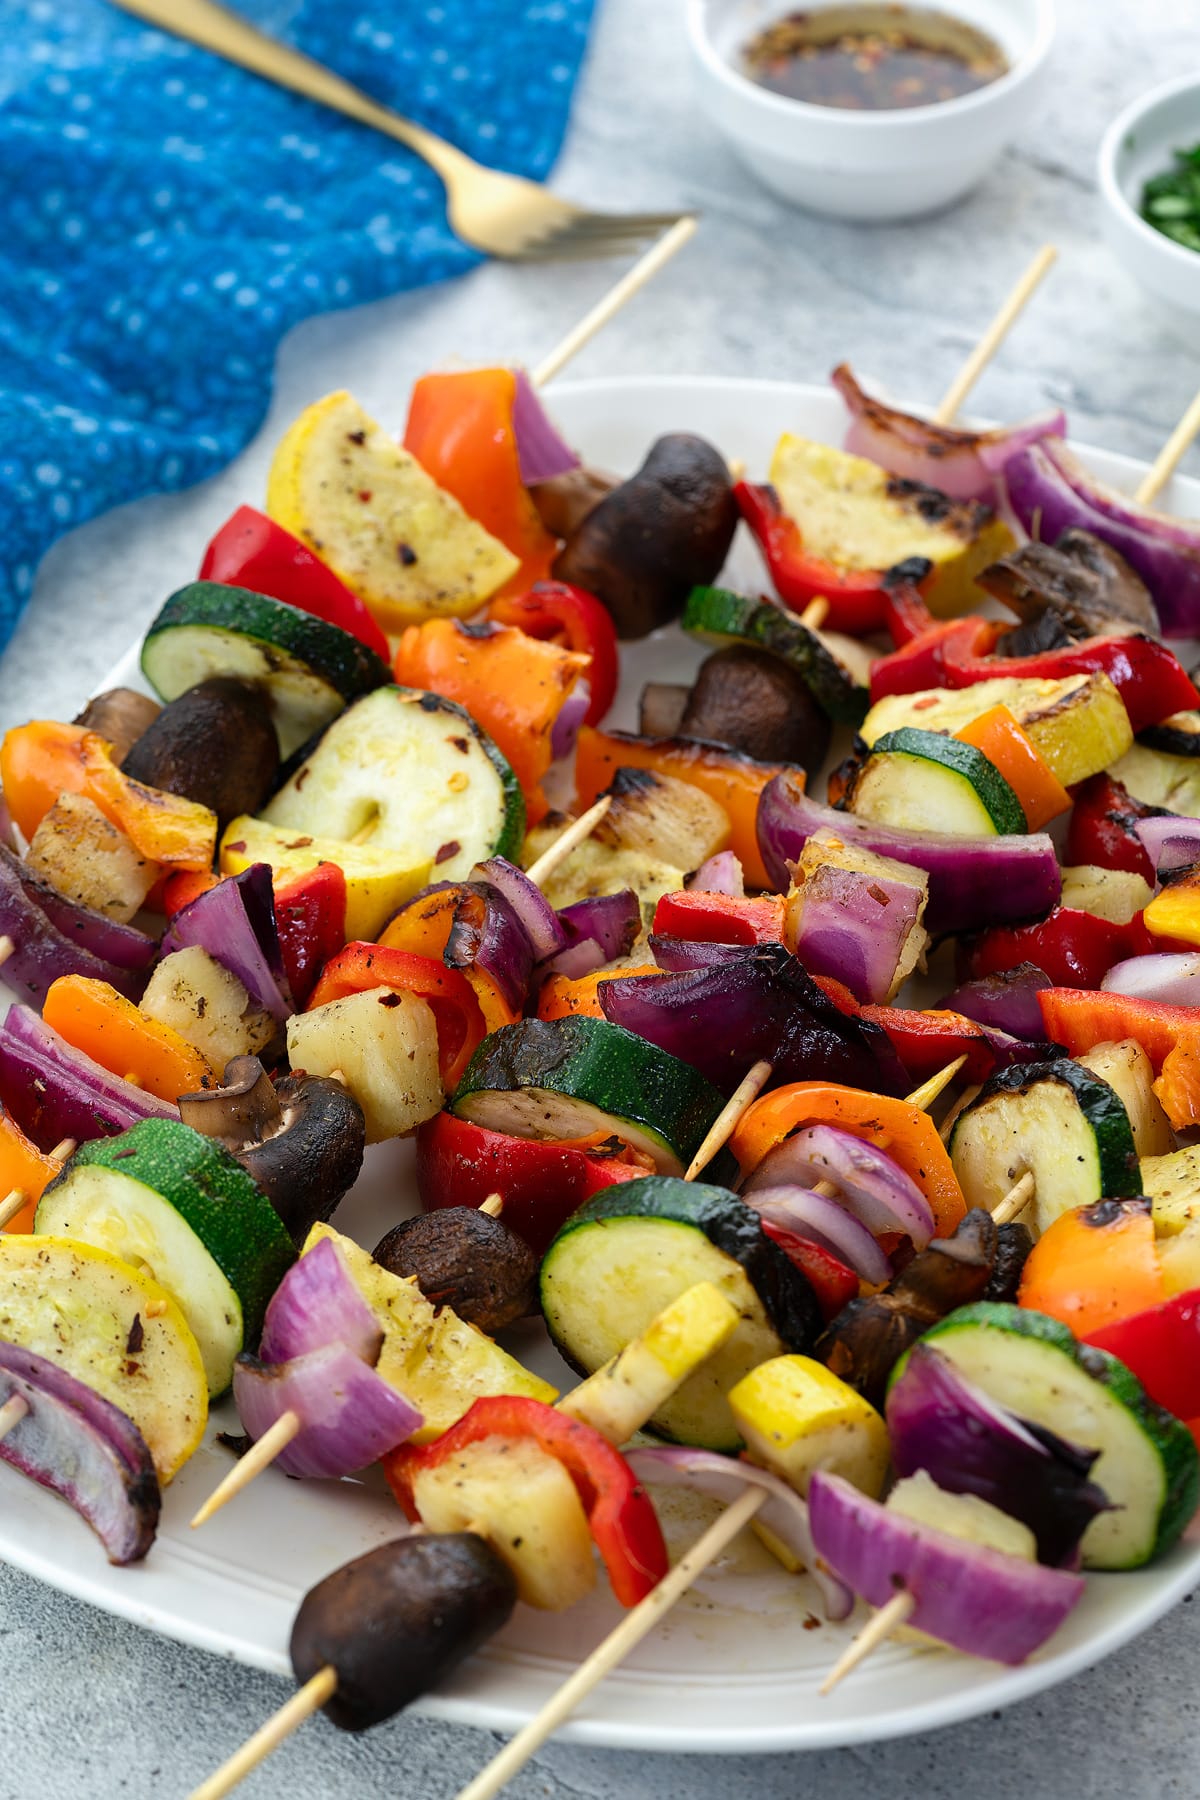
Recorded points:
(570, 1077)
(924, 781)
(1178, 736)
(1148, 1465)
(630, 1252)
(414, 777)
(309, 669)
(1057, 1120)
(720, 617)
(177, 1205)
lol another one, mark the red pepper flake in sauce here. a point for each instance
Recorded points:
(872, 58)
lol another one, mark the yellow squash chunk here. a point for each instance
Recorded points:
(1078, 725)
(1161, 779)
(377, 884)
(115, 1329)
(433, 1357)
(384, 1046)
(618, 1399)
(797, 1416)
(854, 515)
(521, 1499)
(349, 490)
(1171, 1183)
(1113, 894)
(1179, 1257)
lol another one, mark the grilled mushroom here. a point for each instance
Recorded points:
(466, 1260)
(215, 744)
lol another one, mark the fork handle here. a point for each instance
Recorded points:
(226, 33)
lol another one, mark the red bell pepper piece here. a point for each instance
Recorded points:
(542, 1184)
(1102, 829)
(1170, 1036)
(252, 551)
(184, 886)
(460, 1024)
(1075, 949)
(310, 915)
(927, 661)
(575, 619)
(830, 1280)
(704, 918)
(622, 1519)
(1162, 1347)
(924, 1041)
(905, 614)
(857, 597)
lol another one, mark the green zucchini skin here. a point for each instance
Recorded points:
(993, 792)
(1120, 1170)
(603, 1066)
(722, 617)
(348, 665)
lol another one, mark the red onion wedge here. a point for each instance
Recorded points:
(546, 935)
(52, 937)
(542, 452)
(610, 920)
(973, 882)
(54, 1091)
(784, 1512)
(1050, 492)
(1006, 1002)
(820, 1218)
(857, 925)
(318, 1303)
(940, 456)
(565, 733)
(719, 874)
(487, 933)
(868, 1183)
(235, 923)
(674, 954)
(1170, 842)
(975, 1599)
(969, 1444)
(1173, 978)
(83, 1448)
(349, 1416)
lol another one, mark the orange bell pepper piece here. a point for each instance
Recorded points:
(908, 1135)
(735, 781)
(22, 1166)
(113, 1032)
(514, 686)
(186, 885)
(564, 998)
(1170, 1036)
(460, 429)
(1096, 1264)
(998, 735)
(423, 928)
(44, 759)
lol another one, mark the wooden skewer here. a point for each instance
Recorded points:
(6, 948)
(257, 1458)
(65, 1147)
(11, 1205)
(642, 271)
(580, 828)
(1168, 458)
(1015, 1201)
(303, 1703)
(925, 1095)
(995, 334)
(493, 1205)
(879, 1626)
(12, 1412)
(815, 613)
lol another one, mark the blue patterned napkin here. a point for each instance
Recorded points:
(164, 219)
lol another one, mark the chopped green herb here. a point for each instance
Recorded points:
(1171, 201)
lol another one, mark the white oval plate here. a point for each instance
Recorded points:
(736, 1666)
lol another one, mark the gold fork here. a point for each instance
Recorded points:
(502, 214)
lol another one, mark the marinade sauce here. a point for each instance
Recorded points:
(872, 58)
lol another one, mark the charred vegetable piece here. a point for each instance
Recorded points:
(647, 544)
(868, 1337)
(661, 708)
(90, 861)
(52, 936)
(1081, 581)
(302, 1141)
(120, 715)
(465, 1259)
(216, 743)
(395, 1622)
(754, 702)
(1014, 1241)
(83, 1448)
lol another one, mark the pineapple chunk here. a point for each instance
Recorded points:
(594, 868)
(629, 1389)
(384, 1046)
(663, 817)
(1172, 1186)
(797, 1416)
(521, 1499)
(830, 871)
(1179, 1257)
(377, 883)
(89, 860)
(853, 515)
(430, 1355)
(966, 1516)
(345, 487)
(1113, 894)
(1130, 1074)
(195, 995)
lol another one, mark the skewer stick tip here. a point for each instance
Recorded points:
(303, 1703)
(995, 334)
(643, 270)
(259, 1457)
(726, 1121)
(493, 1205)
(927, 1093)
(881, 1625)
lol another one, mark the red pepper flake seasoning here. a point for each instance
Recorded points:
(872, 58)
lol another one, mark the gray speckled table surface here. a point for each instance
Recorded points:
(94, 1706)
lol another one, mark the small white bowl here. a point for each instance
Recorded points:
(868, 165)
(1136, 145)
